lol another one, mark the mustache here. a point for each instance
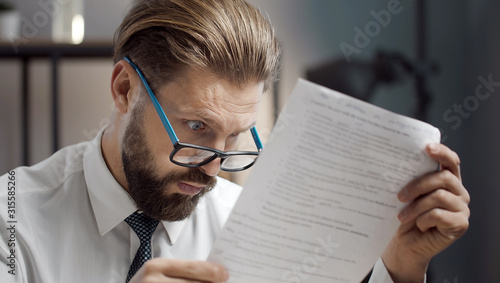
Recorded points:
(194, 175)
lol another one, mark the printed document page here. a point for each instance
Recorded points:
(320, 204)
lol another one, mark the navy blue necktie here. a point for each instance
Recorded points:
(144, 227)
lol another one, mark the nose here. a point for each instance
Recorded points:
(211, 168)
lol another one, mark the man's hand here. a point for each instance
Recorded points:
(179, 271)
(436, 216)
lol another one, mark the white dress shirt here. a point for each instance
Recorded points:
(66, 222)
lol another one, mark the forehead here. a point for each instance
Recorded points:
(200, 93)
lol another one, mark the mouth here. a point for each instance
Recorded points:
(190, 189)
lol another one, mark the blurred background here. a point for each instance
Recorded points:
(439, 62)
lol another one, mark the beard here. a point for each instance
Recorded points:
(149, 190)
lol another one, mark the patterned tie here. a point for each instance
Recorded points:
(144, 227)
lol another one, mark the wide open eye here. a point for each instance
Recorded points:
(195, 125)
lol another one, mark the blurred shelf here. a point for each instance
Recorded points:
(48, 49)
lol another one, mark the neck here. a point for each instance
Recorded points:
(111, 152)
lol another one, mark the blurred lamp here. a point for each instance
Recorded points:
(360, 78)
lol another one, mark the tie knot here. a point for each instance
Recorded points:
(143, 225)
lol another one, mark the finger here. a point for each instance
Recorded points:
(188, 269)
(431, 182)
(448, 159)
(158, 277)
(440, 198)
(451, 225)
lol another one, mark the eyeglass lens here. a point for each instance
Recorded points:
(191, 156)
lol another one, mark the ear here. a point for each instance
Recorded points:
(123, 80)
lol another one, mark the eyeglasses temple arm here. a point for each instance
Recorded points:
(159, 110)
(256, 138)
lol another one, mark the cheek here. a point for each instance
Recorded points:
(231, 143)
(156, 137)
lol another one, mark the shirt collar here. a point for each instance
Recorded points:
(110, 202)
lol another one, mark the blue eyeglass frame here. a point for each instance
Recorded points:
(179, 145)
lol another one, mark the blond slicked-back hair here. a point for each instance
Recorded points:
(229, 38)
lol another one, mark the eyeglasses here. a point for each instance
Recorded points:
(190, 155)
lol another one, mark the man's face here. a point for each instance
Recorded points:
(203, 110)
